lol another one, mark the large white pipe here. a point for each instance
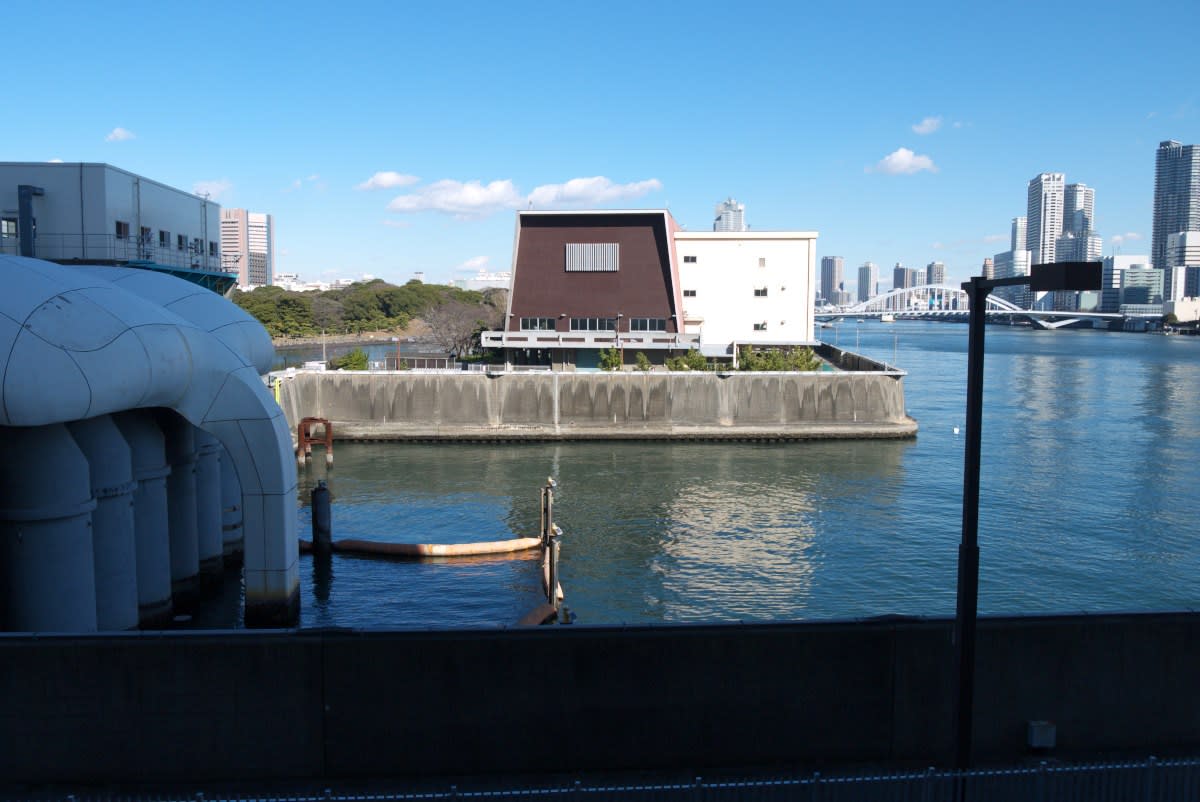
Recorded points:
(181, 509)
(110, 464)
(87, 341)
(47, 579)
(208, 507)
(150, 471)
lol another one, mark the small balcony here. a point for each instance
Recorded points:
(636, 340)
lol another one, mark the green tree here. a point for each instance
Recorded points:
(692, 360)
(643, 361)
(610, 359)
(355, 360)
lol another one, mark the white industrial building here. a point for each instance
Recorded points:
(92, 213)
(747, 288)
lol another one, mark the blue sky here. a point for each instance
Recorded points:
(899, 132)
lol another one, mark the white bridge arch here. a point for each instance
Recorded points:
(943, 300)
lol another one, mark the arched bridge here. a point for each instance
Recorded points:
(943, 300)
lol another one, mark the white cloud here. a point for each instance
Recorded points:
(590, 192)
(903, 162)
(214, 190)
(470, 199)
(937, 246)
(397, 223)
(1117, 239)
(473, 199)
(388, 179)
(928, 125)
(119, 134)
(474, 264)
(56, 161)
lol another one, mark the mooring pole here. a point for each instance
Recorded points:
(322, 520)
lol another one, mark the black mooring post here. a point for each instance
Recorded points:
(322, 520)
(968, 549)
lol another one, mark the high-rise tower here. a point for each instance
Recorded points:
(1176, 201)
(1044, 216)
(730, 216)
(868, 277)
(831, 277)
(248, 244)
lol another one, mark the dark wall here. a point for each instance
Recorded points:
(641, 287)
(561, 699)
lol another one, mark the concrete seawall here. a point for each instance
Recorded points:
(586, 406)
(165, 707)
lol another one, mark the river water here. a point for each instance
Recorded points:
(1089, 478)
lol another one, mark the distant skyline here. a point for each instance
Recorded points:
(390, 140)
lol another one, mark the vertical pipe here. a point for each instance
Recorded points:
(208, 508)
(968, 550)
(151, 543)
(181, 508)
(110, 465)
(552, 589)
(231, 514)
(47, 575)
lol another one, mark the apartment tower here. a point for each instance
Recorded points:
(1044, 216)
(248, 245)
(1176, 204)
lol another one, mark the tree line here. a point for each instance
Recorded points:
(376, 306)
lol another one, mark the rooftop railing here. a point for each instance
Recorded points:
(111, 248)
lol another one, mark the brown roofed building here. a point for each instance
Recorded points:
(585, 281)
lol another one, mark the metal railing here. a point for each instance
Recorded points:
(111, 248)
(1149, 780)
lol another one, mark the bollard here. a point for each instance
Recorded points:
(322, 520)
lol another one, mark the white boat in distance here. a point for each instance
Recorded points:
(887, 317)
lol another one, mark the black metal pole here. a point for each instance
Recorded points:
(968, 549)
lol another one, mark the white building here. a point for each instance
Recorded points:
(248, 246)
(1044, 216)
(1111, 273)
(1176, 196)
(935, 273)
(749, 288)
(730, 216)
(1007, 265)
(484, 280)
(93, 213)
(1182, 253)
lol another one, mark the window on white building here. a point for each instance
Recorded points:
(164, 239)
(180, 242)
(760, 292)
(762, 261)
(537, 324)
(122, 229)
(690, 260)
(760, 326)
(8, 227)
(212, 248)
(689, 293)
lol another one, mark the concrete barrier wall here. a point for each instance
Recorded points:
(345, 704)
(600, 405)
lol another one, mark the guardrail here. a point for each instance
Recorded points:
(1150, 779)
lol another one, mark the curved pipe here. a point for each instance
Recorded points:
(418, 550)
(75, 345)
